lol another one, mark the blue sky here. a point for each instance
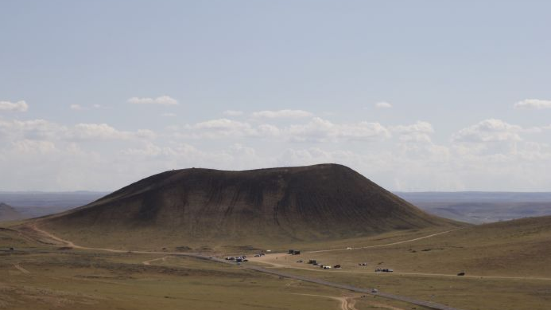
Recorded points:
(424, 95)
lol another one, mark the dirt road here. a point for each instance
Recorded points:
(346, 303)
(148, 262)
(23, 270)
(69, 243)
(386, 244)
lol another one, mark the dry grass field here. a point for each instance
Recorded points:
(520, 248)
(39, 276)
(506, 265)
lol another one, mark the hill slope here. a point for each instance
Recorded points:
(8, 213)
(203, 206)
(517, 248)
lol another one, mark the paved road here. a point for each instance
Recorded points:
(427, 304)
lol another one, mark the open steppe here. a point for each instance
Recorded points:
(43, 272)
(161, 242)
(36, 275)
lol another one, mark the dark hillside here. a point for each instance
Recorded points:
(311, 203)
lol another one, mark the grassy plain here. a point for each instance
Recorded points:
(519, 248)
(506, 264)
(463, 293)
(40, 276)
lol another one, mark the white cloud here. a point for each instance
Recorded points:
(106, 132)
(34, 147)
(168, 114)
(48, 131)
(491, 154)
(37, 129)
(221, 124)
(19, 106)
(383, 105)
(233, 113)
(224, 128)
(418, 132)
(282, 114)
(77, 107)
(266, 130)
(533, 104)
(490, 130)
(162, 100)
(313, 156)
(183, 155)
(320, 130)
(316, 130)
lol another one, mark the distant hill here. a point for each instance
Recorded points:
(35, 204)
(204, 206)
(481, 207)
(8, 213)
